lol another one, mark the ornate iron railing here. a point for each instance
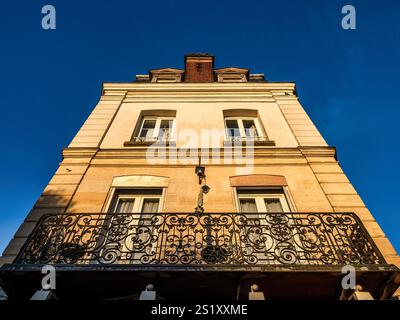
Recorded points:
(208, 238)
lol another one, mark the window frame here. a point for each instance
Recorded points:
(139, 201)
(242, 131)
(157, 126)
(284, 194)
(260, 203)
(113, 197)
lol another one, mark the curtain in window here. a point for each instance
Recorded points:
(273, 205)
(150, 205)
(248, 205)
(164, 133)
(147, 230)
(125, 206)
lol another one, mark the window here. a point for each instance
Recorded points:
(242, 128)
(264, 200)
(136, 201)
(261, 241)
(130, 231)
(166, 75)
(231, 77)
(157, 129)
(232, 74)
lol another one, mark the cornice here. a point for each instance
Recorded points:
(78, 152)
(207, 88)
(312, 151)
(140, 152)
(198, 92)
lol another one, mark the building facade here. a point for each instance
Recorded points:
(202, 182)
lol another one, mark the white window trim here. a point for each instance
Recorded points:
(285, 194)
(260, 203)
(241, 127)
(139, 200)
(284, 198)
(157, 126)
(137, 205)
(113, 190)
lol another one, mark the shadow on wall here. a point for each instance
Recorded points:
(49, 203)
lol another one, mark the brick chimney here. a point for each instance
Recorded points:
(199, 67)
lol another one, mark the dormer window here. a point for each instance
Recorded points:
(232, 75)
(166, 75)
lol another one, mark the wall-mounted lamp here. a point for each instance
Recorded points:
(201, 172)
(205, 188)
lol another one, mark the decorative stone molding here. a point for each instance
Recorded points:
(166, 75)
(258, 180)
(140, 181)
(240, 112)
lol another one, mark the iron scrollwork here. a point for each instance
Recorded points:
(196, 239)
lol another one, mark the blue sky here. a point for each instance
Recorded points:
(347, 80)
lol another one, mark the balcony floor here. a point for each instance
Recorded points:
(210, 282)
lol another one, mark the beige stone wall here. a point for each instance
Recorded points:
(183, 188)
(300, 123)
(199, 106)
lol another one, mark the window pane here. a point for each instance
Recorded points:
(273, 205)
(250, 128)
(232, 128)
(248, 205)
(125, 205)
(165, 131)
(148, 129)
(150, 205)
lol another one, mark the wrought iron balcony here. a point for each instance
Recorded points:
(199, 239)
